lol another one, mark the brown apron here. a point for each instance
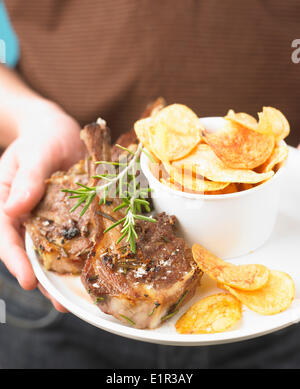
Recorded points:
(110, 58)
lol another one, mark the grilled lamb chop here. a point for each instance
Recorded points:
(61, 238)
(146, 288)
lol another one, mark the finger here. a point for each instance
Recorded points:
(56, 304)
(8, 168)
(27, 188)
(13, 254)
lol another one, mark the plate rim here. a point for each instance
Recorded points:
(152, 336)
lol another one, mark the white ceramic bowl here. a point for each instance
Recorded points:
(229, 225)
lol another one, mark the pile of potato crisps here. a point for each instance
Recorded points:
(262, 290)
(245, 153)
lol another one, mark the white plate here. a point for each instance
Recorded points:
(281, 252)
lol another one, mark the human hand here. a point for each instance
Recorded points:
(48, 140)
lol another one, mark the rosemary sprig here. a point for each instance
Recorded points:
(126, 187)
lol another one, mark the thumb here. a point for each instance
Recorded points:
(27, 188)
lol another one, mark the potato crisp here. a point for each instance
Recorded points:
(260, 289)
(171, 133)
(203, 161)
(273, 122)
(244, 277)
(240, 147)
(242, 154)
(215, 313)
(274, 297)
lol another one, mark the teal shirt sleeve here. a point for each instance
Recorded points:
(9, 49)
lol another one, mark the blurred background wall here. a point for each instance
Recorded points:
(8, 36)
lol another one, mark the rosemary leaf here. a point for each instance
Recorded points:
(141, 201)
(123, 205)
(114, 225)
(148, 155)
(111, 163)
(134, 232)
(121, 237)
(79, 202)
(169, 315)
(88, 203)
(102, 177)
(78, 191)
(125, 149)
(132, 243)
(130, 321)
(99, 299)
(84, 186)
(145, 218)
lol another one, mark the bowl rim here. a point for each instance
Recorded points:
(196, 196)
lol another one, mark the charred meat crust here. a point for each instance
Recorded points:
(147, 286)
(63, 240)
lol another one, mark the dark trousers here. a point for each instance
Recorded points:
(36, 336)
